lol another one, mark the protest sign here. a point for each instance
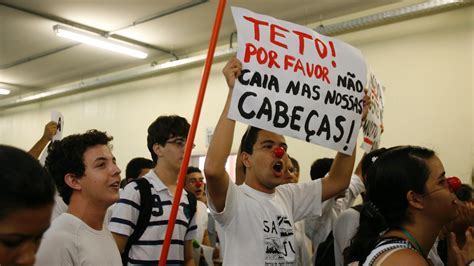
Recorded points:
(372, 126)
(59, 119)
(297, 82)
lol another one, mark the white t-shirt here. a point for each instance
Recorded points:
(318, 228)
(148, 248)
(201, 222)
(59, 206)
(70, 241)
(258, 227)
(345, 228)
(303, 245)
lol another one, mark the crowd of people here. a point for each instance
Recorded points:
(77, 210)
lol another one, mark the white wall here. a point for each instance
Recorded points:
(425, 63)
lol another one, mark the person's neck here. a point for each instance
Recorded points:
(252, 181)
(87, 211)
(167, 175)
(424, 231)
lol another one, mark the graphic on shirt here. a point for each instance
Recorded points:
(278, 239)
(158, 204)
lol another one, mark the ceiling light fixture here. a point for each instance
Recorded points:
(4, 91)
(98, 41)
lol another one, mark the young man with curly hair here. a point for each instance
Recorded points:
(88, 179)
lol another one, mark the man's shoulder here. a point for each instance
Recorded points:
(62, 233)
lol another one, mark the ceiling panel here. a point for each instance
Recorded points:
(24, 35)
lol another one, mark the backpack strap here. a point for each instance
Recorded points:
(192, 205)
(146, 205)
(358, 208)
(325, 252)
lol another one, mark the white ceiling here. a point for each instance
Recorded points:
(24, 35)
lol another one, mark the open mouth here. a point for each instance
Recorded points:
(115, 185)
(278, 168)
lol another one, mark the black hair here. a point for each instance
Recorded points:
(24, 182)
(135, 167)
(320, 168)
(164, 128)
(249, 139)
(389, 179)
(192, 169)
(295, 163)
(123, 183)
(369, 160)
(464, 193)
(66, 156)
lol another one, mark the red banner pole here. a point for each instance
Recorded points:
(192, 133)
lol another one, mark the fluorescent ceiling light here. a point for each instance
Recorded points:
(4, 91)
(98, 41)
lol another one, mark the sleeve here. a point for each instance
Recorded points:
(305, 198)
(231, 202)
(56, 249)
(345, 228)
(355, 188)
(125, 213)
(319, 227)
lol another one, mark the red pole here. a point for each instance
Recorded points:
(192, 133)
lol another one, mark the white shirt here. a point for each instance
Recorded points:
(70, 241)
(318, 228)
(148, 247)
(258, 227)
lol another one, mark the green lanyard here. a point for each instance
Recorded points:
(413, 240)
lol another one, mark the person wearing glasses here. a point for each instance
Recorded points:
(166, 140)
(408, 201)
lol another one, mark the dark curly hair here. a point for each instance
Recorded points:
(164, 128)
(67, 157)
(25, 184)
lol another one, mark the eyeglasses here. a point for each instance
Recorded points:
(452, 183)
(180, 142)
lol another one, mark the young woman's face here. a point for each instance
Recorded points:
(20, 234)
(438, 199)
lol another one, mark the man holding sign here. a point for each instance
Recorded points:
(258, 217)
(297, 83)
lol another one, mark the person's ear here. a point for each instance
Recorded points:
(157, 149)
(72, 181)
(245, 157)
(415, 200)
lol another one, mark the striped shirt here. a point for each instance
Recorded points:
(147, 250)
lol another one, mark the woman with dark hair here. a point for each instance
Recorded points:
(408, 202)
(26, 203)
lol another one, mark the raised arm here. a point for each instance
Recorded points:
(219, 148)
(50, 130)
(339, 176)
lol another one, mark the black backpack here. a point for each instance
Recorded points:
(325, 251)
(146, 207)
